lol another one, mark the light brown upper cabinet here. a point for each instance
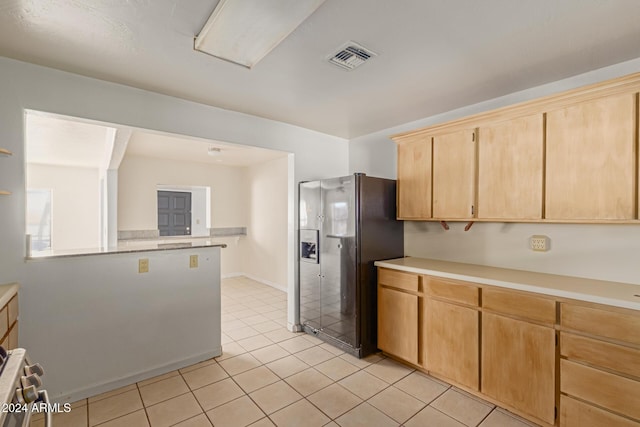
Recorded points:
(591, 160)
(510, 164)
(414, 177)
(454, 161)
(568, 157)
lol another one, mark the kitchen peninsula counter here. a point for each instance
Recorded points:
(7, 292)
(616, 294)
(129, 246)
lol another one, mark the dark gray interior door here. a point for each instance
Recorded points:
(174, 213)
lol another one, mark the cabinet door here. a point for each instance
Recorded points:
(414, 178)
(451, 342)
(398, 324)
(510, 160)
(454, 159)
(590, 168)
(518, 365)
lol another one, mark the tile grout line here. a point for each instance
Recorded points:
(268, 416)
(240, 387)
(194, 396)
(144, 407)
(115, 418)
(447, 415)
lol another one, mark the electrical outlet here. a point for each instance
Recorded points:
(143, 265)
(193, 261)
(539, 243)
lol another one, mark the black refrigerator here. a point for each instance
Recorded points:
(345, 224)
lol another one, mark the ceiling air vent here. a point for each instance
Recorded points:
(350, 56)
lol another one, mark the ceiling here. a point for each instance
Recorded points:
(59, 142)
(433, 56)
(185, 149)
(66, 141)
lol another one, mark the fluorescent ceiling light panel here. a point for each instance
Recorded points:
(245, 31)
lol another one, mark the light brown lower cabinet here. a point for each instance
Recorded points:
(574, 413)
(606, 390)
(502, 344)
(519, 365)
(398, 324)
(451, 335)
(599, 366)
(451, 330)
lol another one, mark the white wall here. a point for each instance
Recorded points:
(607, 252)
(233, 256)
(254, 197)
(266, 248)
(75, 213)
(139, 176)
(27, 86)
(200, 211)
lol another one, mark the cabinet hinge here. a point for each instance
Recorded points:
(471, 209)
(473, 137)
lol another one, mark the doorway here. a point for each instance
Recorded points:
(174, 213)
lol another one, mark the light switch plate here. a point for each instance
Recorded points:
(143, 265)
(193, 261)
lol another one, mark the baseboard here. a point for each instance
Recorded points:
(94, 390)
(277, 286)
(294, 327)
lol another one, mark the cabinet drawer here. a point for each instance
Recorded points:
(4, 324)
(611, 356)
(398, 279)
(461, 292)
(521, 305)
(600, 388)
(574, 413)
(609, 324)
(13, 309)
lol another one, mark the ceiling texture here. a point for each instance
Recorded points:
(433, 55)
(66, 141)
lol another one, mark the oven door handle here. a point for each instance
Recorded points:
(48, 415)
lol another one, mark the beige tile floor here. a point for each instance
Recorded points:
(269, 376)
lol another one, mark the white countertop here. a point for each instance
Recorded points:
(625, 295)
(160, 244)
